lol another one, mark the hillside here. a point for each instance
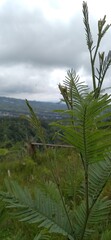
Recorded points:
(15, 107)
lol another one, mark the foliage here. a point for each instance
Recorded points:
(98, 74)
(43, 209)
(14, 130)
(86, 128)
(92, 134)
(33, 175)
(106, 235)
(43, 235)
(34, 120)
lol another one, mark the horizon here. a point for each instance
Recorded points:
(57, 102)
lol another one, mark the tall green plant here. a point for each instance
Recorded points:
(89, 132)
(98, 73)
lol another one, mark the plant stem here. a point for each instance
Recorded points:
(92, 60)
(86, 200)
(93, 72)
(85, 165)
(86, 191)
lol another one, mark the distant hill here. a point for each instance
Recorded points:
(15, 107)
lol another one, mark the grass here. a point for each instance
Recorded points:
(34, 172)
(64, 164)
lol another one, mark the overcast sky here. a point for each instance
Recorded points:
(40, 40)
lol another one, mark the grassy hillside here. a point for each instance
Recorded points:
(16, 107)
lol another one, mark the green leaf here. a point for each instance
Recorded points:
(42, 209)
(97, 215)
(106, 235)
(43, 235)
(85, 132)
(99, 174)
(34, 120)
(72, 90)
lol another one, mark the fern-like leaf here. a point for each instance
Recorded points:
(90, 133)
(35, 122)
(43, 235)
(97, 215)
(42, 209)
(99, 174)
(72, 89)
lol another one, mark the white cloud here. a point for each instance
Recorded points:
(40, 40)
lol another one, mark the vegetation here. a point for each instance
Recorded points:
(11, 107)
(35, 174)
(18, 129)
(68, 194)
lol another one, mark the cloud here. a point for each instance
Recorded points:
(35, 52)
(29, 82)
(27, 37)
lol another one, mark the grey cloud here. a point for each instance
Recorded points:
(21, 80)
(28, 37)
(31, 47)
